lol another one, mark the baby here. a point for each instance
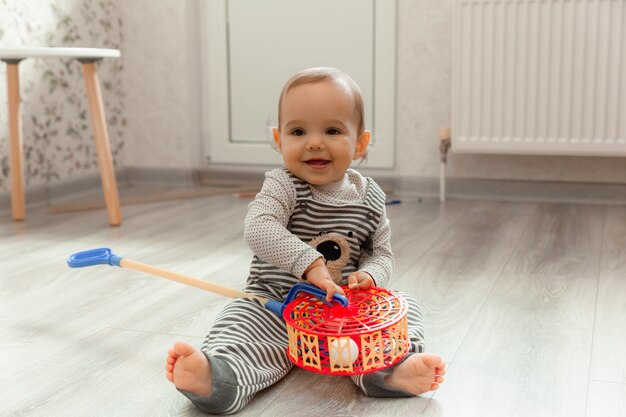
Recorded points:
(320, 133)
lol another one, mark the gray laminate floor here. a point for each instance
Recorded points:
(526, 303)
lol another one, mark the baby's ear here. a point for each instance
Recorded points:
(361, 144)
(276, 134)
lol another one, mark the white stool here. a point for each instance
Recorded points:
(87, 57)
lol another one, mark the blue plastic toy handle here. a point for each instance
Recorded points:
(278, 307)
(275, 307)
(104, 256)
(316, 291)
(100, 256)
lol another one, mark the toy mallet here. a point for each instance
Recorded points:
(104, 256)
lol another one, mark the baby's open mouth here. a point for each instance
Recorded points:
(317, 163)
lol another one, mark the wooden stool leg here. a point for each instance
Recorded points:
(16, 143)
(103, 147)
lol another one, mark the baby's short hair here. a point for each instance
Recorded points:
(319, 74)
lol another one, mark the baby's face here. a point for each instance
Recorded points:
(318, 136)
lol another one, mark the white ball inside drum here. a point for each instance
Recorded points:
(343, 351)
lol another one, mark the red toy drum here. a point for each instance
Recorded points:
(367, 335)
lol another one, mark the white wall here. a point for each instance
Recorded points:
(159, 81)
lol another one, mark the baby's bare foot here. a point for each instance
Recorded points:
(418, 374)
(189, 369)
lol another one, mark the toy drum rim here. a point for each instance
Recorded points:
(368, 346)
(399, 312)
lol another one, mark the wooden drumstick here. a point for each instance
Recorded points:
(104, 256)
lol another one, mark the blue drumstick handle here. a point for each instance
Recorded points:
(278, 307)
(100, 256)
(316, 291)
(104, 256)
(275, 307)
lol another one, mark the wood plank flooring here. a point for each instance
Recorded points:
(526, 302)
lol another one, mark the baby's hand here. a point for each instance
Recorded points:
(318, 275)
(360, 280)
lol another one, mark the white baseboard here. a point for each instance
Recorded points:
(508, 190)
(466, 188)
(43, 194)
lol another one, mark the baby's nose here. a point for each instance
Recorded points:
(315, 142)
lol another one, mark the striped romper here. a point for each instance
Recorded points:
(246, 347)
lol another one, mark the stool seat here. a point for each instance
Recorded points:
(42, 52)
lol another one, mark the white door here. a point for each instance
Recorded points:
(252, 47)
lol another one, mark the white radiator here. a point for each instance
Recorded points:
(539, 77)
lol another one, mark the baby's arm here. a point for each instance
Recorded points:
(267, 235)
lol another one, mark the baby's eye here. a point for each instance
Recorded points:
(333, 131)
(298, 132)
